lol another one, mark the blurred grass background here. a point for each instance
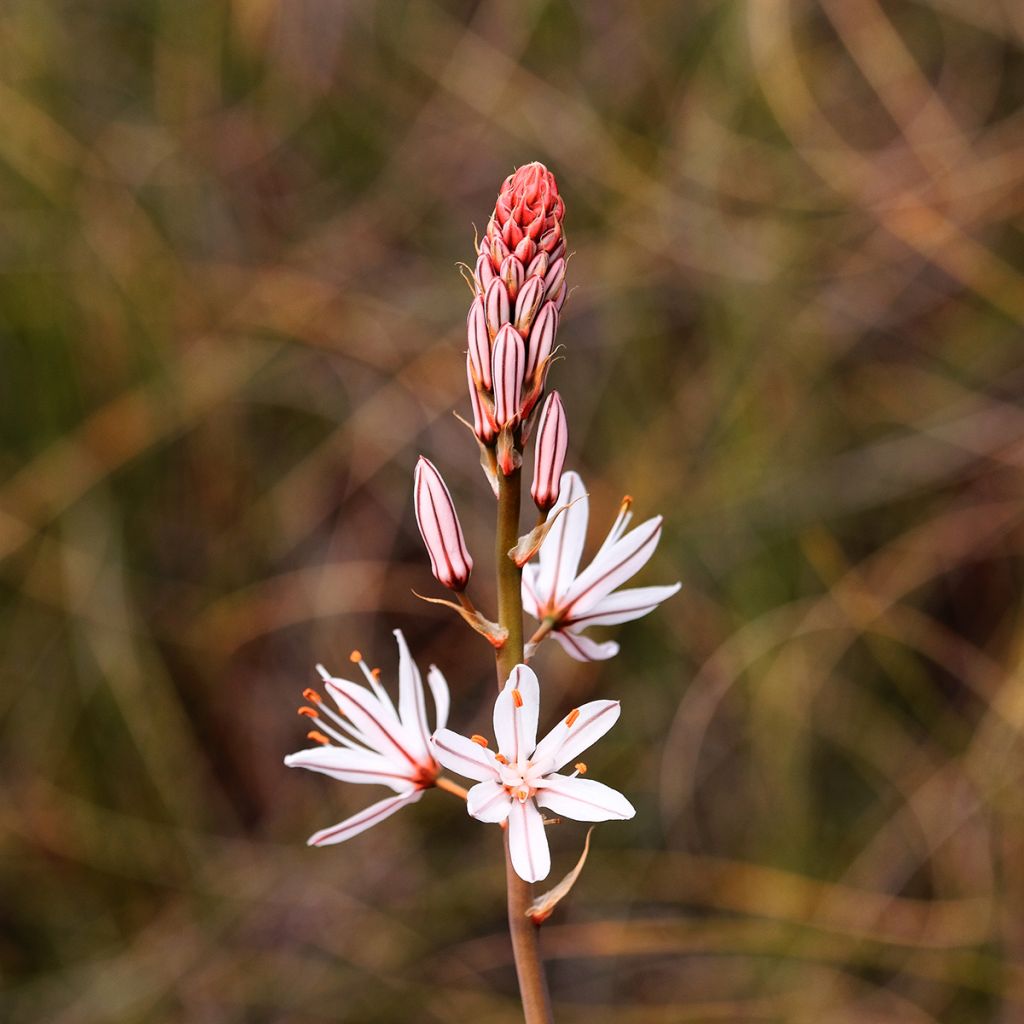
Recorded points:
(230, 319)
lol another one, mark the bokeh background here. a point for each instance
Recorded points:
(230, 319)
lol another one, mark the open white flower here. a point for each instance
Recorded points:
(372, 741)
(555, 589)
(523, 774)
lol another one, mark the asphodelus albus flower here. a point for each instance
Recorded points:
(369, 740)
(440, 528)
(522, 775)
(569, 600)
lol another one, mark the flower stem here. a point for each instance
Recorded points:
(533, 986)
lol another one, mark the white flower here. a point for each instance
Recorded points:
(523, 774)
(555, 589)
(373, 742)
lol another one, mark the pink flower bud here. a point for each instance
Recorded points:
(496, 306)
(479, 343)
(526, 304)
(484, 272)
(528, 214)
(512, 273)
(549, 454)
(538, 265)
(440, 529)
(483, 422)
(525, 250)
(542, 338)
(553, 278)
(507, 364)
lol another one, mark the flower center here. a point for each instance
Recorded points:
(520, 780)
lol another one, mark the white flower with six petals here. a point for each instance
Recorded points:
(555, 589)
(522, 775)
(373, 741)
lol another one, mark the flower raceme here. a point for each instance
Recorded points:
(523, 775)
(373, 742)
(555, 591)
(440, 528)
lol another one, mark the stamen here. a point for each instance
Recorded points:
(570, 721)
(318, 737)
(375, 672)
(308, 712)
(517, 698)
(501, 758)
(311, 695)
(581, 767)
(627, 504)
(479, 739)
(355, 657)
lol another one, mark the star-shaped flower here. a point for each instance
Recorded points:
(523, 775)
(373, 741)
(556, 591)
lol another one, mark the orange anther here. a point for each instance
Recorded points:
(355, 657)
(570, 720)
(580, 767)
(479, 740)
(501, 758)
(375, 672)
(318, 737)
(517, 698)
(312, 696)
(308, 712)
(627, 503)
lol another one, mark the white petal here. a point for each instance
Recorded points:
(515, 717)
(582, 648)
(377, 725)
(363, 820)
(442, 700)
(527, 843)
(411, 706)
(529, 590)
(566, 742)
(489, 801)
(612, 568)
(352, 766)
(624, 606)
(583, 799)
(560, 553)
(462, 755)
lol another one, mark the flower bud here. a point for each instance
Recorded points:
(526, 304)
(440, 529)
(496, 306)
(554, 278)
(479, 343)
(512, 273)
(527, 216)
(549, 453)
(483, 421)
(542, 338)
(507, 364)
(484, 273)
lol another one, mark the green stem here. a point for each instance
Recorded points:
(533, 986)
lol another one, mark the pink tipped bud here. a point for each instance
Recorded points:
(483, 422)
(440, 529)
(479, 343)
(542, 338)
(484, 273)
(512, 273)
(528, 214)
(526, 305)
(549, 455)
(554, 278)
(496, 306)
(507, 364)
(538, 266)
(525, 251)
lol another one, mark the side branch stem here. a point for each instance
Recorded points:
(533, 986)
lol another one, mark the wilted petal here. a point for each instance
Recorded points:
(579, 729)
(462, 755)
(560, 553)
(616, 565)
(347, 765)
(363, 820)
(440, 528)
(442, 699)
(507, 361)
(479, 343)
(549, 453)
(583, 799)
(489, 801)
(542, 338)
(624, 606)
(411, 706)
(527, 843)
(582, 648)
(515, 714)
